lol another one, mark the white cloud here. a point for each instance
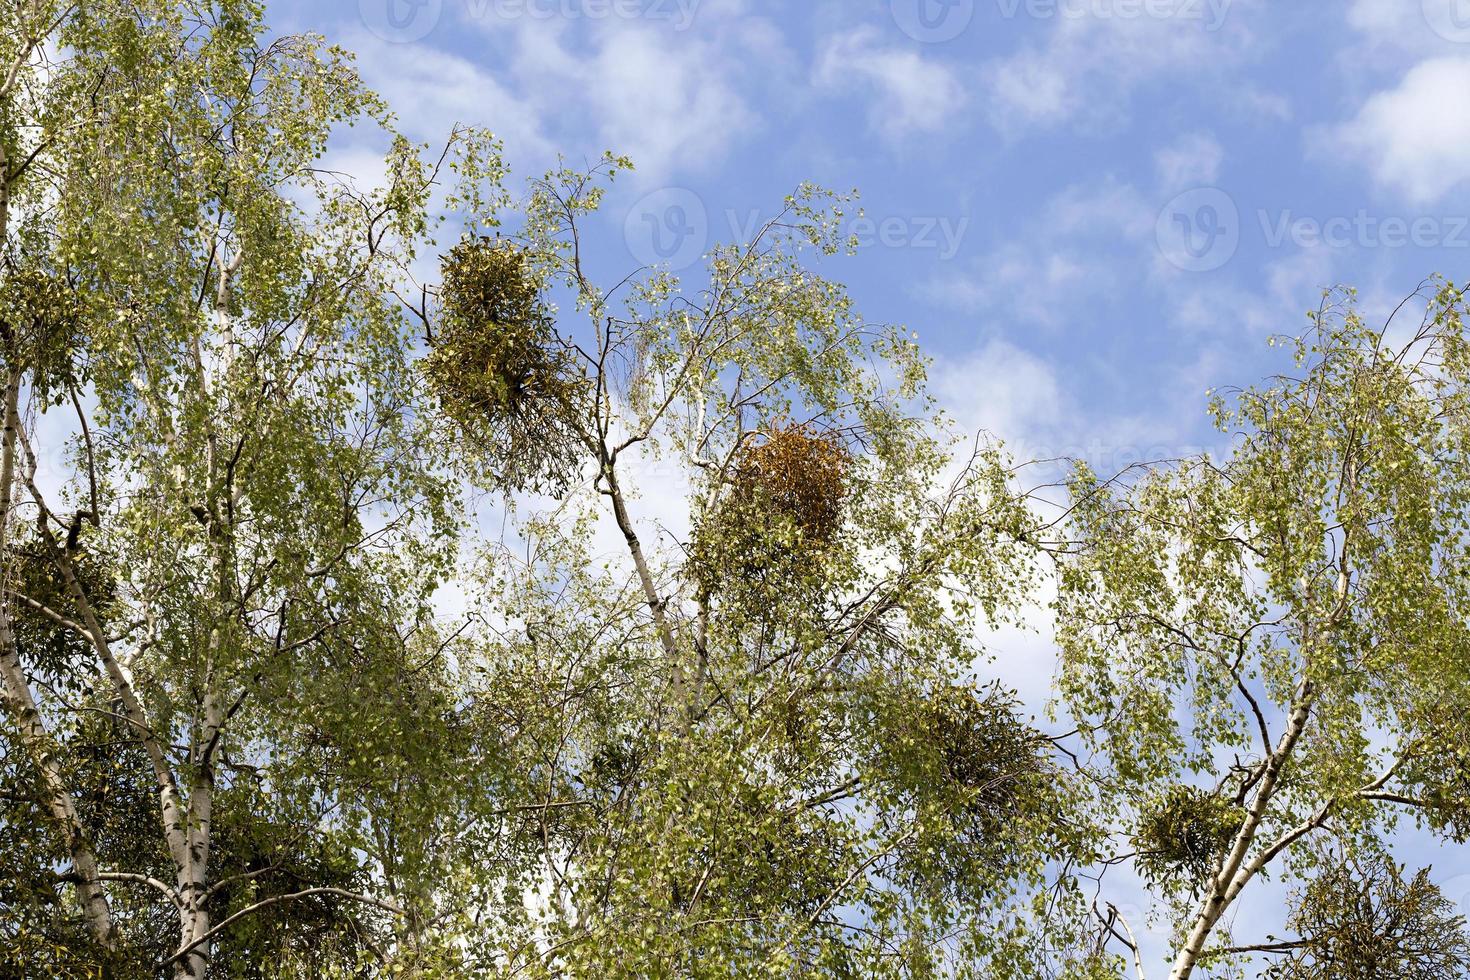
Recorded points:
(1290, 284)
(1038, 409)
(432, 90)
(1193, 161)
(1031, 87)
(1380, 17)
(913, 94)
(664, 105)
(1105, 206)
(1087, 242)
(1019, 395)
(1023, 656)
(1415, 139)
(670, 99)
(1086, 67)
(1397, 26)
(674, 93)
(1257, 103)
(1018, 280)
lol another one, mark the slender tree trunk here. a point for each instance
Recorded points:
(193, 872)
(1235, 873)
(193, 878)
(21, 703)
(194, 924)
(170, 801)
(194, 918)
(180, 824)
(677, 677)
(4, 194)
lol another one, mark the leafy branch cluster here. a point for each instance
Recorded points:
(1363, 920)
(499, 371)
(1184, 834)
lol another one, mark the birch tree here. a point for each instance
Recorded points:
(1268, 651)
(239, 539)
(764, 744)
(752, 741)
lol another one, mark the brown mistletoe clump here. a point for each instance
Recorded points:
(797, 474)
(501, 374)
(782, 511)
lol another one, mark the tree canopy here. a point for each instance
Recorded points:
(280, 702)
(1268, 650)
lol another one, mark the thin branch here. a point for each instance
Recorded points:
(276, 900)
(172, 893)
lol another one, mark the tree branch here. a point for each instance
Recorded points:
(276, 900)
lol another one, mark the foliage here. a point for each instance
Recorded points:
(261, 739)
(223, 680)
(60, 656)
(732, 747)
(983, 747)
(796, 474)
(41, 929)
(1362, 919)
(774, 524)
(498, 370)
(277, 706)
(989, 777)
(1184, 834)
(1287, 622)
(41, 319)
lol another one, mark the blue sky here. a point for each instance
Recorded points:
(1099, 207)
(1090, 210)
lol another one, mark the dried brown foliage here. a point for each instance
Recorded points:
(799, 474)
(782, 512)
